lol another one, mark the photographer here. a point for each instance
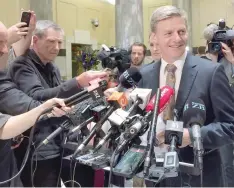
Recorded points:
(226, 58)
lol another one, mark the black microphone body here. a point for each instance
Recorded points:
(95, 129)
(64, 126)
(96, 113)
(114, 128)
(137, 127)
(194, 116)
(198, 146)
(150, 144)
(72, 134)
(83, 95)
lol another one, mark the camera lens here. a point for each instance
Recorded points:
(217, 47)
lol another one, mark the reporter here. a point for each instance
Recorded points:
(8, 128)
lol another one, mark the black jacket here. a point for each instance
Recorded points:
(12, 102)
(42, 82)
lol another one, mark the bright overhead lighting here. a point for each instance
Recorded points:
(111, 2)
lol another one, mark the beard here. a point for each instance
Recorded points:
(137, 63)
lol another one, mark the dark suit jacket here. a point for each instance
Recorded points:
(42, 82)
(207, 81)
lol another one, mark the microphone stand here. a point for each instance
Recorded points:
(150, 144)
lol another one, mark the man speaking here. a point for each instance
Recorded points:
(191, 77)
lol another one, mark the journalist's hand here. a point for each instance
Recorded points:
(85, 78)
(57, 112)
(227, 53)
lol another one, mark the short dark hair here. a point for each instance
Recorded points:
(138, 44)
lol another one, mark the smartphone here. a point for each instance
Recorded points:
(130, 162)
(26, 16)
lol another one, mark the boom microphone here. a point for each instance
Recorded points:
(90, 92)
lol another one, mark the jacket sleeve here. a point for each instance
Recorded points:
(221, 131)
(14, 101)
(27, 80)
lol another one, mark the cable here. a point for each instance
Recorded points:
(73, 181)
(33, 171)
(111, 166)
(27, 152)
(74, 171)
(71, 170)
(61, 162)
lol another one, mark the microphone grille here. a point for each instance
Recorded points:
(130, 77)
(194, 112)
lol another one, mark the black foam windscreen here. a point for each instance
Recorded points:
(77, 116)
(130, 77)
(194, 112)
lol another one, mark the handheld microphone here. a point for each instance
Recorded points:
(166, 94)
(116, 100)
(64, 126)
(194, 116)
(90, 92)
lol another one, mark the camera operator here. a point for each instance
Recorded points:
(137, 53)
(227, 59)
(225, 56)
(14, 102)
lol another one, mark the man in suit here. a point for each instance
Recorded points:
(191, 77)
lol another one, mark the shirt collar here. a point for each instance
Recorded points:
(178, 63)
(38, 61)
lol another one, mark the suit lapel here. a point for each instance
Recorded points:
(189, 74)
(155, 76)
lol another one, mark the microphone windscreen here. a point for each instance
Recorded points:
(194, 112)
(77, 116)
(130, 77)
(166, 93)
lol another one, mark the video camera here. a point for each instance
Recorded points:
(114, 58)
(223, 34)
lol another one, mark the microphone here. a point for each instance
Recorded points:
(129, 79)
(140, 124)
(140, 97)
(143, 94)
(194, 116)
(111, 131)
(64, 126)
(173, 137)
(95, 115)
(166, 94)
(116, 100)
(90, 92)
(152, 132)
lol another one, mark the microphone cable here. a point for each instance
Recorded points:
(27, 151)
